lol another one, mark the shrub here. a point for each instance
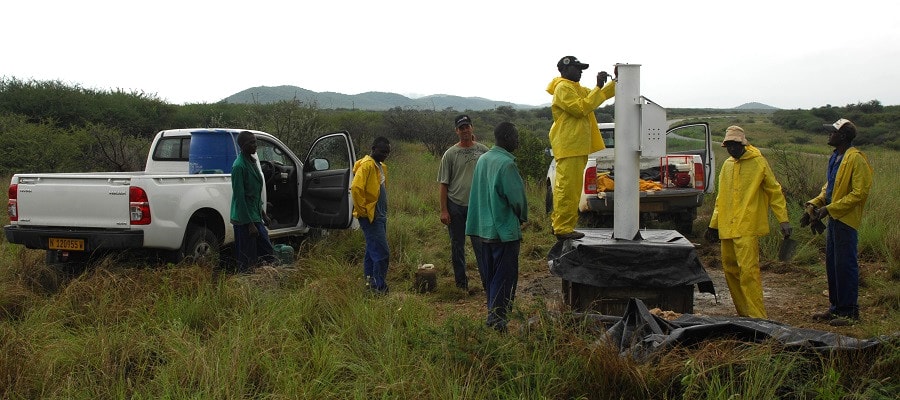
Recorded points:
(530, 155)
(37, 147)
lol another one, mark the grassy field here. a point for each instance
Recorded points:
(309, 330)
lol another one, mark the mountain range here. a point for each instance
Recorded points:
(380, 101)
(377, 101)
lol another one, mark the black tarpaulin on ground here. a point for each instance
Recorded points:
(663, 259)
(640, 334)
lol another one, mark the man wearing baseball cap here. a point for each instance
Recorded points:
(747, 188)
(455, 179)
(573, 135)
(843, 197)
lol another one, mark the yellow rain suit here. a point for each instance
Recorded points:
(851, 189)
(747, 188)
(573, 136)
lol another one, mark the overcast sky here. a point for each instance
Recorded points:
(720, 54)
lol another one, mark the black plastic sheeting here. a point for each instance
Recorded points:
(662, 259)
(641, 335)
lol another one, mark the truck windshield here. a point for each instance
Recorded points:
(609, 138)
(268, 151)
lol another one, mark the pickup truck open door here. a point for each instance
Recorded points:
(327, 174)
(695, 138)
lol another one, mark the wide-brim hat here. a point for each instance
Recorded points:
(735, 133)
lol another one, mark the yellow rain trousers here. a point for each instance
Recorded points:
(747, 189)
(744, 284)
(573, 135)
(567, 193)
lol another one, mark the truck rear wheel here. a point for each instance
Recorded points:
(684, 222)
(199, 244)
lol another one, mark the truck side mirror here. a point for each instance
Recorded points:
(320, 164)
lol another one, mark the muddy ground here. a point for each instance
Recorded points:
(791, 294)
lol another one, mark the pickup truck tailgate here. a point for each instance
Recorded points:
(74, 200)
(666, 200)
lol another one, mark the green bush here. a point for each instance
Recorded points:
(38, 147)
(530, 157)
(65, 106)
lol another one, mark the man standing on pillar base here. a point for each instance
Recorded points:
(573, 136)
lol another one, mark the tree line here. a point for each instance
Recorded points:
(51, 126)
(879, 125)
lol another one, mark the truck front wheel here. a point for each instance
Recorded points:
(594, 220)
(548, 199)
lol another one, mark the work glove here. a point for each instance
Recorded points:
(817, 227)
(712, 235)
(809, 214)
(811, 218)
(804, 220)
(602, 76)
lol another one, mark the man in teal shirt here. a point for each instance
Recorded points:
(497, 208)
(251, 239)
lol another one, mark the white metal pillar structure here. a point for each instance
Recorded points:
(626, 217)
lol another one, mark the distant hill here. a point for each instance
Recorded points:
(756, 106)
(380, 101)
(377, 101)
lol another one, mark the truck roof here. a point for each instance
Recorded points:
(189, 131)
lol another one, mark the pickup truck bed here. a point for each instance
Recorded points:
(654, 201)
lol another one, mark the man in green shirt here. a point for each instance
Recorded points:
(455, 178)
(251, 239)
(497, 208)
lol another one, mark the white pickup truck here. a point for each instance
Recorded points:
(684, 176)
(180, 204)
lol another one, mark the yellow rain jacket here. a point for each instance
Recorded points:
(851, 189)
(366, 187)
(747, 188)
(574, 131)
